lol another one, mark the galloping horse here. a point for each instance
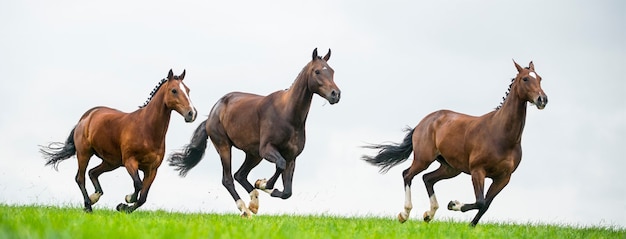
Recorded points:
(270, 127)
(134, 140)
(485, 146)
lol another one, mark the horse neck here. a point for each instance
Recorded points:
(511, 117)
(298, 99)
(154, 118)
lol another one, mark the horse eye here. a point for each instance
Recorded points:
(317, 72)
(525, 78)
(174, 91)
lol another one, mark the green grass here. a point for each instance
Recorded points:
(69, 222)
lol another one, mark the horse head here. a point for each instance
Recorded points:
(320, 80)
(177, 97)
(529, 86)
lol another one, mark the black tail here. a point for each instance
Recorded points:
(191, 153)
(390, 155)
(56, 152)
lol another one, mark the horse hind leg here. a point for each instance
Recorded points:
(224, 150)
(242, 177)
(83, 161)
(408, 175)
(94, 173)
(443, 172)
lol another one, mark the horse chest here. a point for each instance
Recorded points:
(294, 144)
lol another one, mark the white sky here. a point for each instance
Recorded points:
(395, 62)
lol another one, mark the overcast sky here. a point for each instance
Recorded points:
(395, 62)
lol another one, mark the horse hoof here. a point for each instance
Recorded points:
(88, 210)
(427, 218)
(123, 208)
(254, 208)
(454, 205)
(402, 218)
(246, 215)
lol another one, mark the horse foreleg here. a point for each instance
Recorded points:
(478, 180)
(496, 186)
(133, 171)
(268, 185)
(287, 176)
(148, 178)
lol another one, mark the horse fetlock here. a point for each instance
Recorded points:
(254, 201)
(260, 183)
(95, 197)
(130, 198)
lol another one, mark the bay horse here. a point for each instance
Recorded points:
(485, 146)
(134, 140)
(264, 127)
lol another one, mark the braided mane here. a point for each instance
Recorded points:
(154, 91)
(507, 92)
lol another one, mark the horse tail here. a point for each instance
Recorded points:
(392, 154)
(56, 152)
(191, 153)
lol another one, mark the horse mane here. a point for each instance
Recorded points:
(506, 94)
(154, 91)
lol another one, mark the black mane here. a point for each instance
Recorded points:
(154, 91)
(506, 94)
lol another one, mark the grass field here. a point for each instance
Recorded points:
(67, 222)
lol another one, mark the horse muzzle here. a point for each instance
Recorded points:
(334, 96)
(190, 116)
(541, 101)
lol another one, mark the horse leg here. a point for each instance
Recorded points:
(133, 170)
(149, 176)
(268, 185)
(496, 186)
(83, 161)
(224, 150)
(443, 172)
(287, 181)
(94, 173)
(416, 167)
(242, 177)
(478, 180)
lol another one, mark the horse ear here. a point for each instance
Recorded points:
(315, 54)
(327, 56)
(182, 76)
(531, 66)
(519, 68)
(170, 75)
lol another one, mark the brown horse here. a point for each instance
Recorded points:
(270, 127)
(134, 140)
(485, 146)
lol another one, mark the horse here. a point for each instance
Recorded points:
(134, 140)
(485, 146)
(268, 127)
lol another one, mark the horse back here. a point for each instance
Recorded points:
(99, 131)
(235, 119)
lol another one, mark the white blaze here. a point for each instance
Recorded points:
(533, 74)
(183, 89)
